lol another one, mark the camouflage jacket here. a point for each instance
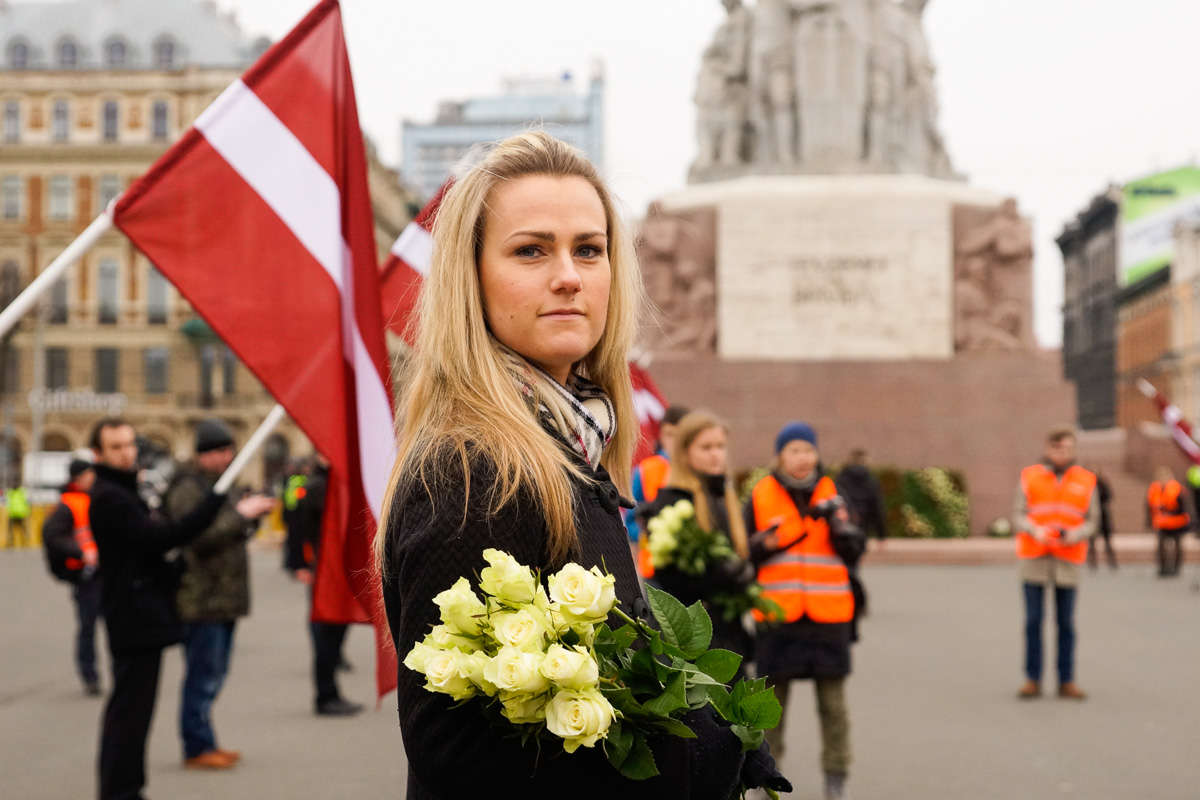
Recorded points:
(215, 586)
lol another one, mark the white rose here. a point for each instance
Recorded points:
(525, 629)
(445, 637)
(580, 719)
(583, 595)
(656, 527)
(513, 670)
(521, 709)
(460, 607)
(586, 632)
(471, 667)
(670, 517)
(571, 668)
(506, 578)
(443, 673)
(685, 509)
(419, 656)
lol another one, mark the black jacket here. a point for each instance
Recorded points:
(137, 596)
(804, 649)
(455, 752)
(864, 499)
(304, 524)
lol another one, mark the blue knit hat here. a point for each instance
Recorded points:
(795, 431)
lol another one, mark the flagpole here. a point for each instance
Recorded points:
(12, 314)
(251, 447)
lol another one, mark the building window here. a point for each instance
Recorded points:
(111, 119)
(68, 55)
(12, 121)
(59, 309)
(208, 357)
(164, 53)
(10, 197)
(10, 374)
(56, 368)
(60, 198)
(115, 53)
(107, 361)
(156, 370)
(10, 282)
(159, 123)
(18, 55)
(156, 297)
(110, 187)
(229, 372)
(109, 292)
(62, 121)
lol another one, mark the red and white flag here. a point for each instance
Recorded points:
(1180, 430)
(260, 216)
(407, 265)
(651, 405)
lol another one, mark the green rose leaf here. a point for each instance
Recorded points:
(720, 665)
(618, 744)
(701, 631)
(751, 739)
(673, 698)
(760, 710)
(639, 764)
(676, 728)
(673, 618)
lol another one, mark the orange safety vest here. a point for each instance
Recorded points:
(656, 471)
(79, 503)
(1053, 503)
(1166, 511)
(808, 578)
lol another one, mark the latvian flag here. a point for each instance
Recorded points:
(261, 216)
(1180, 430)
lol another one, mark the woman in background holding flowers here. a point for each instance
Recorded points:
(700, 475)
(803, 542)
(515, 429)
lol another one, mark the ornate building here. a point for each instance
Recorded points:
(91, 93)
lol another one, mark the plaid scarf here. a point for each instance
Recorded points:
(580, 414)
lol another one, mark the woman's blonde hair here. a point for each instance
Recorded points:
(459, 393)
(684, 477)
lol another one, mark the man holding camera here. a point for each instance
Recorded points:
(1054, 515)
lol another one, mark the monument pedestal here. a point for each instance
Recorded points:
(833, 267)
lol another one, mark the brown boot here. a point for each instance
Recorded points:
(213, 759)
(1071, 692)
(1030, 690)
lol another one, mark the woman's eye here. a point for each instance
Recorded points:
(590, 251)
(528, 251)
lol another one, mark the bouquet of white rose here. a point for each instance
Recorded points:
(677, 540)
(552, 667)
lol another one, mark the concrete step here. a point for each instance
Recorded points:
(1131, 548)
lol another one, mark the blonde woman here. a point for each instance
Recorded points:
(516, 429)
(700, 474)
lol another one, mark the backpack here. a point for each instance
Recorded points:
(61, 553)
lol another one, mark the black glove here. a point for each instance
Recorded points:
(734, 573)
(759, 772)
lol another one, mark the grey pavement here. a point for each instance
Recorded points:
(932, 699)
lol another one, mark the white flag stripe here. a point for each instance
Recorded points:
(647, 406)
(280, 169)
(269, 157)
(415, 248)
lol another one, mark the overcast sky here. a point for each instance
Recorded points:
(1046, 100)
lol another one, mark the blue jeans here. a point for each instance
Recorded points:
(206, 647)
(1064, 610)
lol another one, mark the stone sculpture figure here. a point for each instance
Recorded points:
(677, 252)
(993, 287)
(819, 86)
(722, 94)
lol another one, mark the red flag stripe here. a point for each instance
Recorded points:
(269, 157)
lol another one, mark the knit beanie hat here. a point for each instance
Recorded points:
(212, 434)
(795, 431)
(77, 467)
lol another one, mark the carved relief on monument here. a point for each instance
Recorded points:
(818, 86)
(677, 251)
(993, 279)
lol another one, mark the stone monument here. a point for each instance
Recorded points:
(826, 262)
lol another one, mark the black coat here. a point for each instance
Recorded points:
(730, 575)
(137, 595)
(802, 649)
(304, 524)
(864, 499)
(456, 752)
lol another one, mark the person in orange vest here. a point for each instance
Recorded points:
(1167, 513)
(1055, 513)
(72, 556)
(805, 546)
(700, 475)
(650, 475)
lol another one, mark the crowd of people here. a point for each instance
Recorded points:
(517, 433)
